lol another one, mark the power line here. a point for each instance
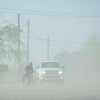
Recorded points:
(43, 12)
(29, 11)
(24, 11)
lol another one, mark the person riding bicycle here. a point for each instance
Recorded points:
(28, 76)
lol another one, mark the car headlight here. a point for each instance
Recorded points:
(43, 72)
(40, 78)
(60, 72)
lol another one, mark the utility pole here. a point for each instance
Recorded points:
(18, 49)
(18, 16)
(28, 40)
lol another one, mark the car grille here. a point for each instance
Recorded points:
(51, 73)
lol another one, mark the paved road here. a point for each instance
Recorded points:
(67, 91)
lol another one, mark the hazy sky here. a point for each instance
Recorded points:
(71, 7)
(68, 22)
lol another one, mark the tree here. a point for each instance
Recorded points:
(92, 48)
(9, 38)
(90, 57)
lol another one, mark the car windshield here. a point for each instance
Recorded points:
(50, 65)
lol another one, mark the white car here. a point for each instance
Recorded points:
(50, 71)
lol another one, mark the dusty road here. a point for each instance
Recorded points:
(66, 91)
